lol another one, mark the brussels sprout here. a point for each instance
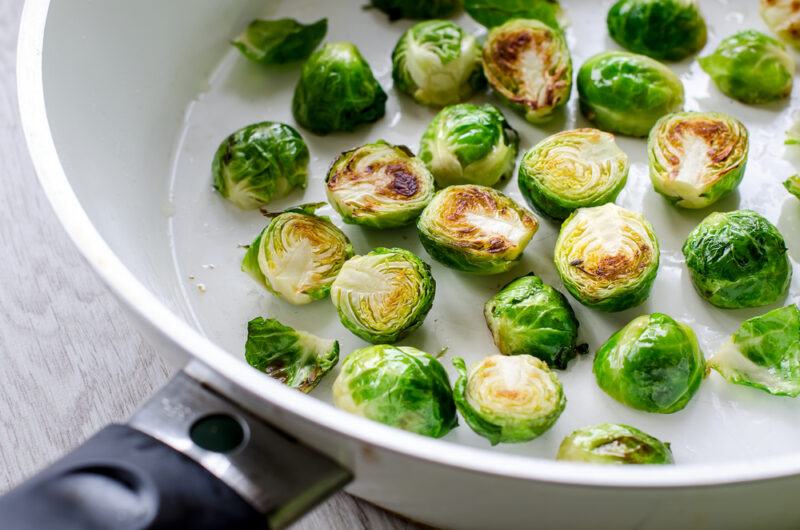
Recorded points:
(783, 17)
(612, 443)
(437, 63)
(379, 185)
(696, 158)
(737, 259)
(260, 162)
(280, 41)
(384, 295)
(653, 364)
(528, 65)
(668, 30)
(491, 13)
(295, 358)
(508, 399)
(571, 170)
(297, 256)
(607, 257)
(751, 67)
(792, 185)
(627, 93)
(475, 229)
(764, 353)
(400, 386)
(337, 91)
(529, 317)
(468, 144)
(397, 9)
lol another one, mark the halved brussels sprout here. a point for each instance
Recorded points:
(260, 162)
(437, 63)
(298, 255)
(792, 185)
(764, 353)
(295, 358)
(399, 386)
(508, 399)
(573, 169)
(475, 229)
(696, 158)
(528, 64)
(491, 13)
(653, 364)
(613, 443)
(783, 17)
(607, 257)
(384, 295)
(529, 317)
(379, 185)
(627, 93)
(738, 259)
(469, 144)
(337, 91)
(397, 9)
(668, 30)
(751, 67)
(280, 41)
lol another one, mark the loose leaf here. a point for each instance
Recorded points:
(280, 41)
(492, 13)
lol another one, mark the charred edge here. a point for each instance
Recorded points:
(403, 182)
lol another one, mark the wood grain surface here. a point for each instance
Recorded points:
(71, 361)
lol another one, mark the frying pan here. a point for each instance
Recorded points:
(122, 104)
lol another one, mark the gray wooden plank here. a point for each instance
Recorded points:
(71, 362)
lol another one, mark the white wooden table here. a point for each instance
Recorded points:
(70, 361)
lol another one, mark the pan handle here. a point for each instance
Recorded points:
(189, 458)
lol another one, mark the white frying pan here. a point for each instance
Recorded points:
(123, 104)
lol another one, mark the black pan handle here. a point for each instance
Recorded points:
(188, 459)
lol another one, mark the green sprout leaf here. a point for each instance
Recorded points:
(491, 13)
(792, 185)
(280, 41)
(764, 353)
(611, 443)
(738, 259)
(296, 358)
(399, 386)
(653, 364)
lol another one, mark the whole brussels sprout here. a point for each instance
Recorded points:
(738, 259)
(437, 63)
(668, 30)
(572, 169)
(379, 185)
(613, 443)
(384, 295)
(607, 257)
(397, 9)
(764, 353)
(783, 17)
(475, 229)
(508, 399)
(260, 162)
(469, 144)
(296, 358)
(280, 41)
(491, 13)
(696, 158)
(627, 93)
(529, 317)
(337, 91)
(509, 54)
(399, 386)
(792, 185)
(297, 256)
(653, 364)
(751, 67)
